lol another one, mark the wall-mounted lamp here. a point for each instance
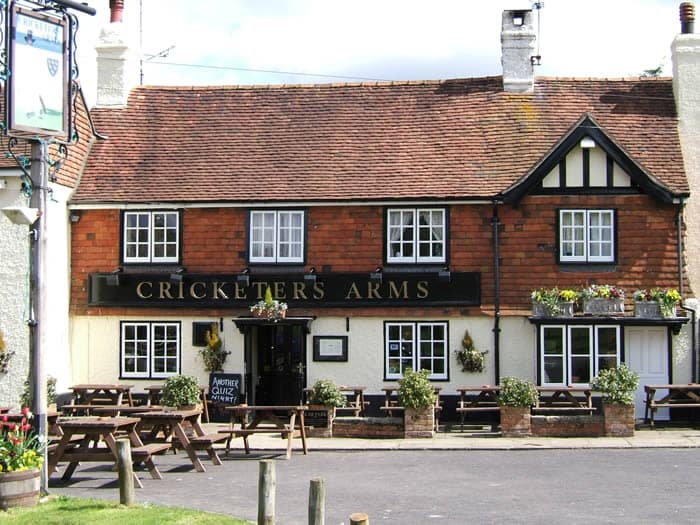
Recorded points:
(376, 276)
(21, 214)
(310, 277)
(113, 278)
(444, 275)
(74, 216)
(243, 278)
(178, 276)
(587, 143)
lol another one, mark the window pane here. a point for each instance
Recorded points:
(580, 370)
(553, 370)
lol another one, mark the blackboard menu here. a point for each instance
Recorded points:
(224, 388)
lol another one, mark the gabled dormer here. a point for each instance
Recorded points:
(587, 161)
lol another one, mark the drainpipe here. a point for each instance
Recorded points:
(695, 358)
(495, 223)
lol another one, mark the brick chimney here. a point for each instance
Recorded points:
(117, 60)
(685, 53)
(517, 49)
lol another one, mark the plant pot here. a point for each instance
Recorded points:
(419, 423)
(565, 309)
(515, 421)
(619, 420)
(20, 489)
(647, 309)
(602, 306)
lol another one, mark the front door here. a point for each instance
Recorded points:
(647, 354)
(277, 361)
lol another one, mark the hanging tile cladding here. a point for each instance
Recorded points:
(400, 140)
(646, 246)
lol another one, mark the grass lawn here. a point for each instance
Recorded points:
(74, 511)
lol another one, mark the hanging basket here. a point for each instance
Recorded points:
(19, 489)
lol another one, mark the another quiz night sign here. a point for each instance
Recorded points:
(329, 290)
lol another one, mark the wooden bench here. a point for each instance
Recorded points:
(230, 433)
(678, 396)
(148, 450)
(477, 398)
(550, 409)
(202, 442)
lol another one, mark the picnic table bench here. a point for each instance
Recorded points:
(482, 398)
(564, 399)
(355, 398)
(676, 396)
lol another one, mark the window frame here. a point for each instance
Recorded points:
(587, 242)
(276, 229)
(595, 354)
(416, 241)
(150, 341)
(416, 342)
(150, 242)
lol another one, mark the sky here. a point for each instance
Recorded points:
(216, 42)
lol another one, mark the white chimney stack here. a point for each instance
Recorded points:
(518, 49)
(117, 61)
(685, 53)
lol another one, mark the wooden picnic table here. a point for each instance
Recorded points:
(672, 396)
(266, 419)
(563, 398)
(172, 424)
(473, 398)
(94, 432)
(391, 402)
(355, 398)
(154, 392)
(86, 396)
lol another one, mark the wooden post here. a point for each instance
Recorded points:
(359, 518)
(126, 472)
(317, 502)
(266, 493)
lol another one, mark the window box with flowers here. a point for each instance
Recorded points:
(269, 308)
(656, 303)
(553, 302)
(603, 299)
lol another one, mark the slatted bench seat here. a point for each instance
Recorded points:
(230, 433)
(202, 442)
(148, 450)
(464, 408)
(590, 410)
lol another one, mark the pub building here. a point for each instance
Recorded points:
(392, 218)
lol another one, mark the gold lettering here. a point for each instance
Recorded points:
(399, 293)
(373, 291)
(165, 291)
(319, 291)
(353, 292)
(299, 290)
(239, 292)
(261, 286)
(140, 292)
(422, 289)
(193, 291)
(217, 291)
(279, 291)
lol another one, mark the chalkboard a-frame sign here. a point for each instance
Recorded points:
(224, 388)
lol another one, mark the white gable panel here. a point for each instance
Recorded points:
(574, 169)
(552, 179)
(598, 168)
(620, 177)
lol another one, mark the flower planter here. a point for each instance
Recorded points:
(619, 420)
(419, 423)
(515, 421)
(566, 309)
(20, 489)
(647, 309)
(602, 306)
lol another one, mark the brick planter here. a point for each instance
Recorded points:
(515, 421)
(619, 420)
(419, 423)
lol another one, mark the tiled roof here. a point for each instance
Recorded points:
(453, 139)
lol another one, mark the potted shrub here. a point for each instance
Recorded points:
(180, 391)
(324, 397)
(21, 458)
(618, 386)
(417, 396)
(213, 354)
(516, 396)
(552, 302)
(471, 359)
(269, 307)
(656, 302)
(603, 299)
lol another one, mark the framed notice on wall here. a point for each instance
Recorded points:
(330, 348)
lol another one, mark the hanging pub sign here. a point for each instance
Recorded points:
(37, 90)
(327, 290)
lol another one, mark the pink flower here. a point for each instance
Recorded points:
(25, 411)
